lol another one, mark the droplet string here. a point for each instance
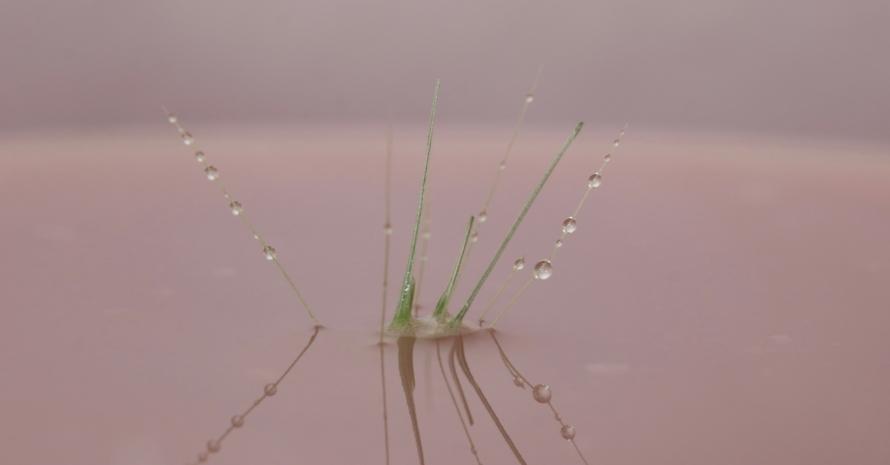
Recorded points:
(502, 165)
(544, 268)
(387, 236)
(237, 209)
(269, 390)
(542, 394)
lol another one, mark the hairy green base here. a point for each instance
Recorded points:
(429, 327)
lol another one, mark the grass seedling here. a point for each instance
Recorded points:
(406, 325)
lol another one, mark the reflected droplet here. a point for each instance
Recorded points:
(236, 207)
(202, 457)
(238, 421)
(519, 264)
(595, 180)
(567, 432)
(483, 215)
(616, 142)
(387, 229)
(541, 393)
(213, 446)
(269, 252)
(543, 270)
(517, 381)
(569, 225)
(607, 158)
(529, 98)
(187, 138)
(199, 156)
(212, 173)
(474, 237)
(502, 166)
(558, 243)
(270, 389)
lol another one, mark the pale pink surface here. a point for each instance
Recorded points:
(723, 301)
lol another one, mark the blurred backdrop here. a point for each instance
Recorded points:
(798, 66)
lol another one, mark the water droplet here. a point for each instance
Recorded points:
(426, 235)
(502, 166)
(541, 393)
(519, 264)
(212, 173)
(569, 225)
(607, 158)
(270, 389)
(199, 156)
(567, 432)
(543, 270)
(387, 229)
(173, 119)
(187, 138)
(238, 421)
(202, 457)
(616, 142)
(529, 98)
(213, 446)
(595, 180)
(269, 252)
(474, 237)
(256, 236)
(483, 215)
(517, 381)
(236, 207)
(558, 243)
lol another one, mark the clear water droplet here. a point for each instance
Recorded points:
(502, 166)
(519, 264)
(569, 225)
(213, 446)
(187, 138)
(199, 156)
(616, 142)
(202, 457)
(567, 432)
(558, 243)
(172, 119)
(269, 252)
(236, 207)
(541, 393)
(529, 98)
(475, 237)
(543, 270)
(607, 158)
(238, 421)
(595, 180)
(270, 389)
(517, 381)
(387, 229)
(212, 173)
(483, 216)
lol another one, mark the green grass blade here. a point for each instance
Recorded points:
(406, 298)
(442, 306)
(528, 204)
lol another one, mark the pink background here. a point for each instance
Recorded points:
(723, 301)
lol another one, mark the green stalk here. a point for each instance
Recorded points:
(528, 204)
(406, 299)
(441, 311)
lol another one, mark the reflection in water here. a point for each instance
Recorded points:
(541, 393)
(269, 390)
